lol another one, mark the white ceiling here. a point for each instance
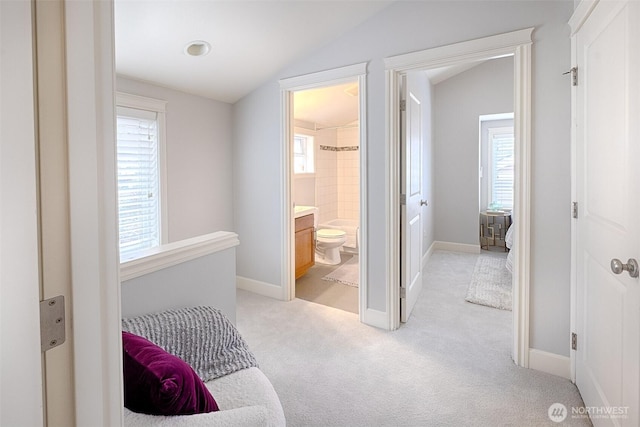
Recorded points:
(251, 40)
(327, 107)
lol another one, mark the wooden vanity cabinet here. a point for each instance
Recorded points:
(305, 245)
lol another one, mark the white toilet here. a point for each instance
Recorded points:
(328, 243)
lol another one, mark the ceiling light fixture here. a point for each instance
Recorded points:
(197, 48)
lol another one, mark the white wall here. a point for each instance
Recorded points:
(401, 28)
(208, 280)
(458, 103)
(198, 160)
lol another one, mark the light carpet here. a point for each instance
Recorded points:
(347, 274)
(450, 365)
(491, 283)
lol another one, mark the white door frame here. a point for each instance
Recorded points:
(95, 304)
(516, 44)
(287, 87)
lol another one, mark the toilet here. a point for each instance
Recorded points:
(328, 243)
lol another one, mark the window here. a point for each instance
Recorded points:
(139, 167)
(303, 154)
(501, 160)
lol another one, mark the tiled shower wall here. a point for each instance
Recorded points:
(338, 175)
(326, 175)
(348, 173)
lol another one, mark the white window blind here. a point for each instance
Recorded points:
(501, 178)
(303, 161)
(138, 181)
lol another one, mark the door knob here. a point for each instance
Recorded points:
(424, 203)
(631, 266)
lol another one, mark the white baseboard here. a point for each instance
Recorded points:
(456, 247)
(379, 319)
(550, 363)
(258, 287)
(427, 255)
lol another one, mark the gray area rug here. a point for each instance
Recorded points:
(491, 283)
(347, 274)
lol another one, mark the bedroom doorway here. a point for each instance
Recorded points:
(496, 182)
(516, 45)
(303, 134)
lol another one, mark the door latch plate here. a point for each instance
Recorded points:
(52, 323)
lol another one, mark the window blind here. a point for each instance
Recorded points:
(138, 180)
(502, 175)
(303, 154)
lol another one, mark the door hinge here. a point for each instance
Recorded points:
(403, 199)
(403, 292)
(574, 341)
(403, 105)
(52, 323)
(574, 76)
(574, 209)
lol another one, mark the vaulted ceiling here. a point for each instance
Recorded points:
(250, 40)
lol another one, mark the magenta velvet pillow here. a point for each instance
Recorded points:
(159, 383)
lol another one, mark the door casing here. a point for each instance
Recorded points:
(516, 44)
(311, 81)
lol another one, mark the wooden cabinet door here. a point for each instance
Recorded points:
(305, 245)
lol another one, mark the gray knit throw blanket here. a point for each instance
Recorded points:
(201, 336)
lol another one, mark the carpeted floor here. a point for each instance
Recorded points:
(450, 365)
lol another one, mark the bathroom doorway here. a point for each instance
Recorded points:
(325, 188)
(324, 184)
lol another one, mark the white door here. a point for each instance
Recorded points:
(411, 195)
(21, 401)
(608, 226)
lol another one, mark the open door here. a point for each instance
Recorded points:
(21, 368)
(607, 340)
(410, 197)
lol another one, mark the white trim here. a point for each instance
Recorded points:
(456, 247)
(392, 204)
(522, 203)
(154, 259)
(479, 49)
(517, 44)
(427, 255)
(258, 287)
(581, 14)
(158, 106)
(550, 363)
(140, 102)
(309, 81)
(92, 188)
(375, 318)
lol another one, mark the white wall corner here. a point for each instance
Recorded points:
(550, 363)
(456, 247)
(258, 287)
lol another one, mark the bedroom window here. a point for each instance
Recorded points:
(303, 161)
(140, 125)
(501, 161)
